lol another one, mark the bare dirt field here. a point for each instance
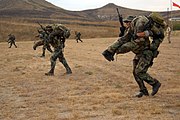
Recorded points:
(97, 89)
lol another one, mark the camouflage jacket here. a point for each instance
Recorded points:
(11, 38)
(150, 29)
(58, 36)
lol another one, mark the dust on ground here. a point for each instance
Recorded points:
(97, 89)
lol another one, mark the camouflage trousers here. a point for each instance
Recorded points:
(142, 61)
(141, 64)
(12, 43)
(78, 39)
(58, 53)
(126, 45)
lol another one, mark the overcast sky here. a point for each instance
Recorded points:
(150, 5)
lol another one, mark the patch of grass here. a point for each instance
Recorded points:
(116, 112)
(118, 85)
(78, 66)
(89, 73)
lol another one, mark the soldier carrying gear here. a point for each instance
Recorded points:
(44, 41)
(58, 35)
(78, 36)
(127, 22)
(141, 29)
(11, 40)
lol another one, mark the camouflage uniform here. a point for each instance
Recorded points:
(11, 40)
(145, 50)
(122, 40)
(126, 23)
(57, 36)
(44, 41)
(78, 36)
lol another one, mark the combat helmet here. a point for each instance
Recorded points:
(129, 18)
(49, 28)
(157, 18)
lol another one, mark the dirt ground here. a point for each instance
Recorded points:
(97, 89)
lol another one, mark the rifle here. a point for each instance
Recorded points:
(46, 40)
(120, 18)
(122, 27)
(43, 28)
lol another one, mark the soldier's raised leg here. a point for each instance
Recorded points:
(111, 50)
(38, 43)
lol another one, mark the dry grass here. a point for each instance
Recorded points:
(97, 89)
(26, 30)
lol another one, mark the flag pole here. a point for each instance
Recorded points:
(168, 16)
(171, 24)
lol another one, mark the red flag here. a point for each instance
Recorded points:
(176, 5)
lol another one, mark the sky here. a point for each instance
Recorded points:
(149, 5)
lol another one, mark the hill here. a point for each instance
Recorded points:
(44, 9)
(20, 18)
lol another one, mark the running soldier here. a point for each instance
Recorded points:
(11, 40)
(78, 36)
(43, 42)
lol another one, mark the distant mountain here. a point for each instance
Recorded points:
(32, 9)
(44, 9)
(26, 8)
(109, 12)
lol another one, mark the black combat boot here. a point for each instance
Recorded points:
(142, 92)
(43, 54)
(64, 62)
(155, 87)
(108, 55)
(50, 73)
(34, 47)
(68, 71)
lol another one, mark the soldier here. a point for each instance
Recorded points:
(141, 28)
(11, 40)
(58, 35)
(126, 24)
(168, 33)
(44, 41)
(78, 36)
